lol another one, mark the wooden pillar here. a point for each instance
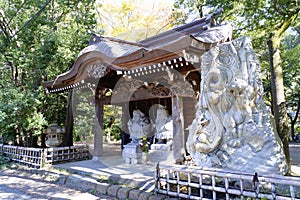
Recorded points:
(69, 125)
(124, 129)
(178, 128)
(98, 129)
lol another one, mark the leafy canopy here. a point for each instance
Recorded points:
(39, 40)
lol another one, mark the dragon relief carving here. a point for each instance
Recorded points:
(233, 128)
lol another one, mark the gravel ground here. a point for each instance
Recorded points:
(295, 153)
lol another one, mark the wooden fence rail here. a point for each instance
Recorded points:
(194, 183)
(24, 155)
(60, 154)
(38, 157)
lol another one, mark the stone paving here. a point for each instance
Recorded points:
(114, 169)
(18, 184)
(137, 180)
(295, 158)
(112, 177)
(22, 183)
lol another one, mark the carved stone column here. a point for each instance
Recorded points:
(178, 127)
(98, 130)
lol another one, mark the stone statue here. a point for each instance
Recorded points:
(163, 126)
(139, 126)
(162, 149)
(233, 128)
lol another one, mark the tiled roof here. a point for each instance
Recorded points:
(122, 55)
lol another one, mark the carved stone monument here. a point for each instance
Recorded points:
(138, 127)
(233, 128)
(161, 150)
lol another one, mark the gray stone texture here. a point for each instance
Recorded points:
(145, 195)
(134, 194)
(102, 188)
(77, 181)
(113, 190)
(123, 193)
(157, 197)
(233, 128)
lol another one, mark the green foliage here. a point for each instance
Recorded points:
(39, 40)
(18, 115)
(3, 162)
(258, 19)
(291, 71)
(144, 144)
(84, 112)
(297, 130)
(291, 66)
(112, 121)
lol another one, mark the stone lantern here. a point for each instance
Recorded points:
(54, 135)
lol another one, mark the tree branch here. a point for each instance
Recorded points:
(157, 32)
(32, 18)
(17, 12)
(287, 22)
(297, 112)
(3, 28)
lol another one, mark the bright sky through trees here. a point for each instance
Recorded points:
(135, 19)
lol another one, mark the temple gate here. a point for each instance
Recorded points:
(163, 70)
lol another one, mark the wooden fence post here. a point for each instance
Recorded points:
(43, 158)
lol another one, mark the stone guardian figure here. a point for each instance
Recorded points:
(162, 150)
(163, 127)
(138, 126)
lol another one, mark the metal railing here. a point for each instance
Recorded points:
(194, 183)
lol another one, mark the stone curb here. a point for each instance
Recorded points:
(113, 190)
(112, 179)
(88, 183)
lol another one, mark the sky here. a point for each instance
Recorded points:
(141, 3)
(147, 17)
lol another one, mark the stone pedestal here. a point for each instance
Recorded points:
(161, 153)
(144, 158)
(132, 153)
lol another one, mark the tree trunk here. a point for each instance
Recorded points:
(294, 120)
(278, 96)
(2, 139)
(43, 140)
(68, 135)
(292, 127)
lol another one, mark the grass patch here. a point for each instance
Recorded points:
(101, 179)
(93, 191)
(3, 163)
